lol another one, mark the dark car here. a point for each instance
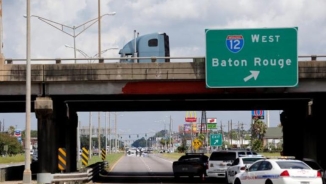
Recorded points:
(191, 164)
(314, 165)
(35, 155)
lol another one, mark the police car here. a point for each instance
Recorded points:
(239, 165)
(278, 171)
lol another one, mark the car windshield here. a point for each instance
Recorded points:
(223, 156)
(191, 158)
(250, 160)
(292, 165)
(312, 164)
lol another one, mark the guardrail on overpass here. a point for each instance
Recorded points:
(312, 69)
(117, 60)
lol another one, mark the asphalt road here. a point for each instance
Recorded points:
(151, 169)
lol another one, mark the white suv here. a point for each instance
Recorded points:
(219, 161)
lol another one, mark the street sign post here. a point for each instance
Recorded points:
(216, 140)
(251, 58)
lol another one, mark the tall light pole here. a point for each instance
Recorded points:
(27, 175)
(87, 56)
(110, 133)
(90, 136)
(99, 28)
(99, 134)
(106, 131)
(73, 28)
(115, 131)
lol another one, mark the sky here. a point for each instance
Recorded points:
(184, 21)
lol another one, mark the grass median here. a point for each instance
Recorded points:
(12, 159)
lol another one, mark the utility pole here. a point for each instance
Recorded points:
(267, 118)
(115, 131)
(242, 135)
(171, 132)
(99, 134)
(231, 133)
(110, 147)
(106, 133)
(228, 130)
(239, 133)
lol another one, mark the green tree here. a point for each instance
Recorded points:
(11, 130)
(258, 130)
(13, 145)
(33, 133)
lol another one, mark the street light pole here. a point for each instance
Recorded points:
(99, 28)
(27, 175)
(62, 26)
(115, 131)
(86, 55)
(90, 136)
(106, 132)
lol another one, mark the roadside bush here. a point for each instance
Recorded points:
(13, 145)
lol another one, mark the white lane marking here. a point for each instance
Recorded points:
(141, 158)
(164, 159)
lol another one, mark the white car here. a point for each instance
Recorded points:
(239, 165)
(278, 171)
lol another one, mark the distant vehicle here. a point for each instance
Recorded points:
(35, 156)
(190, 164)
(278, 171)
(149, 45)
(239, 165)
(219, 161)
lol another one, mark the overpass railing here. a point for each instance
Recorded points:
(88, 174)
(122, 59)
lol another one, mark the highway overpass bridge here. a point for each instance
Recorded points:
(60, 90)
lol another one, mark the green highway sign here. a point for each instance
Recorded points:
(250, 58)
(211, 125)
(216, 140)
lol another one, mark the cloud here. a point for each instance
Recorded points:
(184, 21)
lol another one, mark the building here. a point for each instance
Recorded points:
(84, 131)
(273, 136)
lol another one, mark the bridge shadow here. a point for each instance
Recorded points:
(151, 177)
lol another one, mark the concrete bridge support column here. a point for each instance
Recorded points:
(317, 131)
(293, 121)
(66, 133)
(71, 139)
(46, 135)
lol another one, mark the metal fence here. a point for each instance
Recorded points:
(88, 174)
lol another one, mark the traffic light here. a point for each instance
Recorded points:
(137, 135)
(129, 136)
(145, 135)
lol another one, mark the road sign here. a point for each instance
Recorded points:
(62, 159)
(196, 144)
(259, 114)
(211, 120)
(84, 156)
(211, 125)
(216, 139)
(103, 154)
(250, 58)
